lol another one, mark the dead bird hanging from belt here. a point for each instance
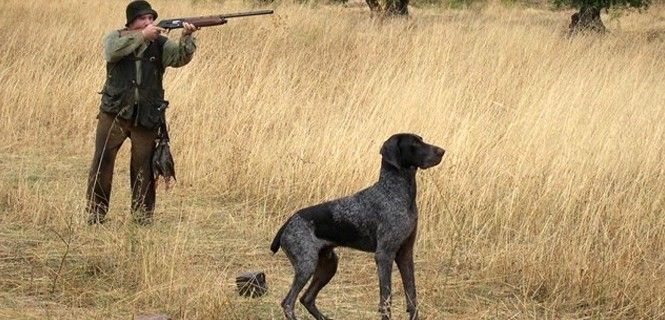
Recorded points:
(162, 160)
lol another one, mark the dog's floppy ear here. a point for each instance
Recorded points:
(390, 151)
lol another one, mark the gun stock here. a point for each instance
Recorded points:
(208, 21)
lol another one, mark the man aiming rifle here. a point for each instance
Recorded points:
(133, 105)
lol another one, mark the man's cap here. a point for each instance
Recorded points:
(138, 8)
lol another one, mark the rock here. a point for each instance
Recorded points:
(252, 284)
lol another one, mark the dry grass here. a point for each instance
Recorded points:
(549, 203)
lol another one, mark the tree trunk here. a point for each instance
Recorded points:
(397, 7)
(374, 5)
(587, 19)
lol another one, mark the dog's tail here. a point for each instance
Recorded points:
(278, 239)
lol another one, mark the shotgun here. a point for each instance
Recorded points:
(208, 21)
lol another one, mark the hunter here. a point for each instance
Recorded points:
(132, 106)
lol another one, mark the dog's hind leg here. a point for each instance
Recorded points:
(325, 270)
(304, 270)
(302, 249)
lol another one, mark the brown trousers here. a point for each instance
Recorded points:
(111, 133)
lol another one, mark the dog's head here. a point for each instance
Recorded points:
(406, 150)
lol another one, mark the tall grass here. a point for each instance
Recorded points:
(549, 202)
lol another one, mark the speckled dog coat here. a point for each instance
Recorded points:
(380, 219)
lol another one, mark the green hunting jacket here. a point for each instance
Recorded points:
(135, 67)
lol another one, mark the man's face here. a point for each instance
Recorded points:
(141, 22)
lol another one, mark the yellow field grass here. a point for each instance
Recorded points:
(548, 204)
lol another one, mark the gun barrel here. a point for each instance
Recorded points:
(207, 21)
(246, 14)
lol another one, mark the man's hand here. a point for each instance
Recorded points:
(188, 28)
(151, 32)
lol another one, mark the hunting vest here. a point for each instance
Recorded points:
(130, 99)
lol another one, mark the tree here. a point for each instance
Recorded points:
(588, 16)
(393, 7)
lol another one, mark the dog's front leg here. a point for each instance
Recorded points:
(404, 260)
(384, 263)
